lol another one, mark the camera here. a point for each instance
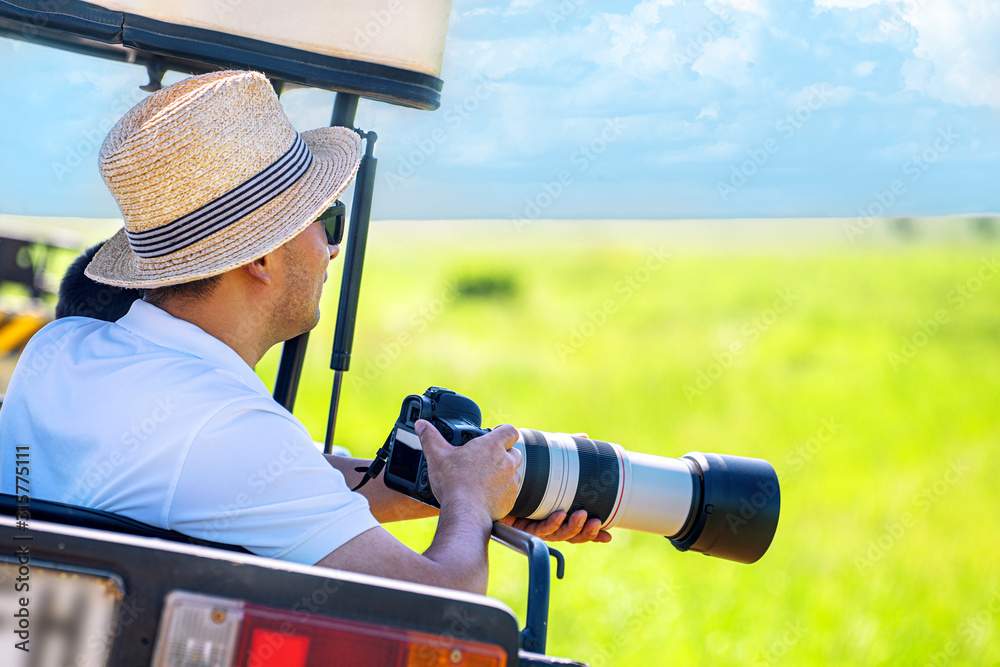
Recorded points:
(716, 504)
(456, 417)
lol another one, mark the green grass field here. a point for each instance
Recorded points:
(875, 393)
(867, 373)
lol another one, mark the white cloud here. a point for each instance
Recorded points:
(711, 112)
(630, 31)
(957, 58)
(626, 34)
(864, 68)
(787, 36)
(480, 11)
(648, 11)
(759, 7)
(520, 7)
(634, 42)
(729, 59)
(846, 4)
(497, 58)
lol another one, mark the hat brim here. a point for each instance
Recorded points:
(336, 157)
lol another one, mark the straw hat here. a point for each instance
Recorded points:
(210, 175)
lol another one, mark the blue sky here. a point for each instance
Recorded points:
(588, 109)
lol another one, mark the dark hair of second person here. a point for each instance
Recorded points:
(79, 295)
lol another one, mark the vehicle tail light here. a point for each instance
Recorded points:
(204, 631)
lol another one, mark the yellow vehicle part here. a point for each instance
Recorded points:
(16, 329)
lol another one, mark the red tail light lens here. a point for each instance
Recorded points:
(250, 635)
(269, 648)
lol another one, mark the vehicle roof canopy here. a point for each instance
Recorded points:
(386, 50)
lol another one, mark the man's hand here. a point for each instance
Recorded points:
(482, 472)
(556, 528)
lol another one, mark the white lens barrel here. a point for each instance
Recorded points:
(660, 494)
(724, 506)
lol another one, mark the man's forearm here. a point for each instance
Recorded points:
(460, 545)
(457, 558)
(386, 505)
(474, 483)
(458, 552)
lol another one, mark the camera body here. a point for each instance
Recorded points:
(458, 419)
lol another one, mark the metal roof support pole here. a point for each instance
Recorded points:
(293, 352)
(350, 284)
(286, 384)
(345, 107)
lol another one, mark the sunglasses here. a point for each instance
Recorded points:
(334, 220)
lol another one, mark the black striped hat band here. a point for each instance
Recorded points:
(226, 209)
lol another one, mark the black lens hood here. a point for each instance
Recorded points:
(736, 505)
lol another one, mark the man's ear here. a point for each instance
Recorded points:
(261, 270)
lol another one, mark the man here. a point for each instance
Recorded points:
(160, 417)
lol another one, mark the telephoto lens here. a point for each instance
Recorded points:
(719, 505)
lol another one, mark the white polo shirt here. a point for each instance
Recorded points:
(152, 418)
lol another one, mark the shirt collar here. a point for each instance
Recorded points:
(160, 327)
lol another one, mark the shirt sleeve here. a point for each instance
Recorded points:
(253, 477)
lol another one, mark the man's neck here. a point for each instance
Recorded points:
(231, 322)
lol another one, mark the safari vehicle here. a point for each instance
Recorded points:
(88, 588)
(84, 587)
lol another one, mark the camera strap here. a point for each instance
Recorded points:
(373, 470)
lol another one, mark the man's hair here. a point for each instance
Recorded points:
(194, 289)
(79, 295)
